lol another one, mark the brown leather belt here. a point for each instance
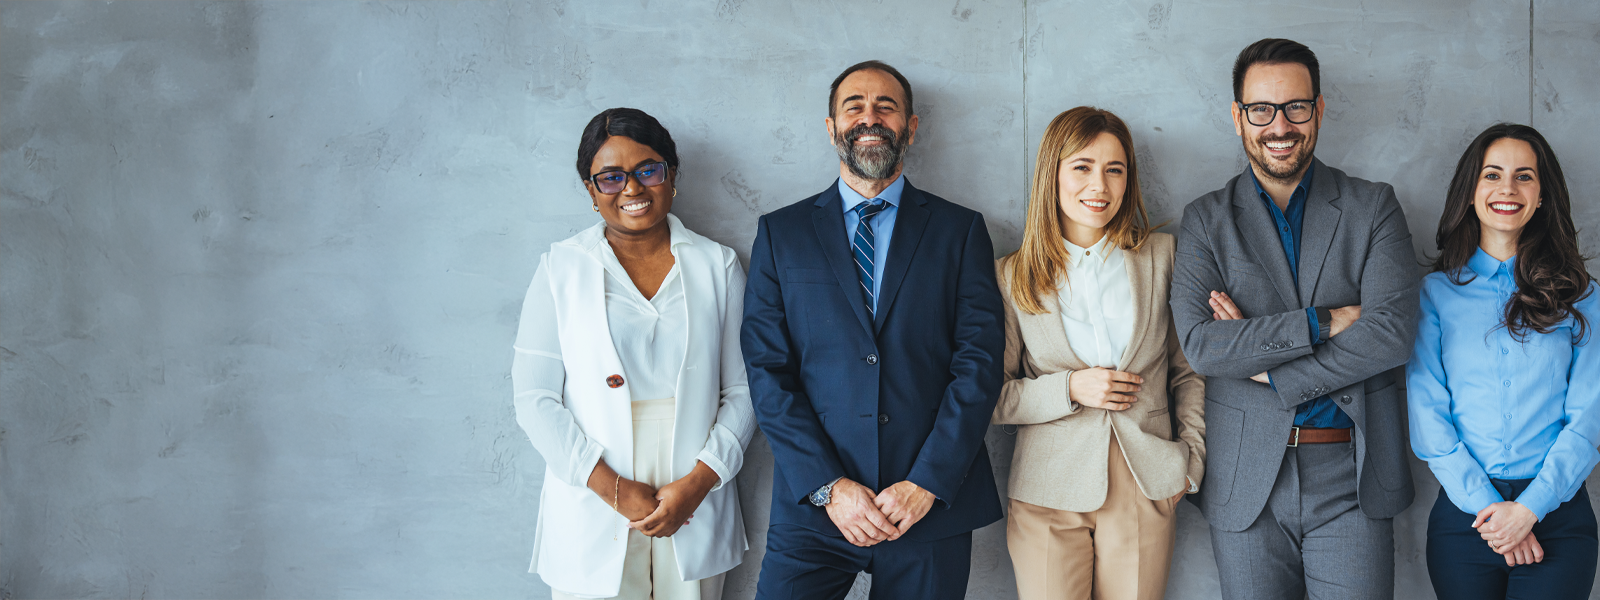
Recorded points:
(1317, 435)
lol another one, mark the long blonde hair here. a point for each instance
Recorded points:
(1036, 268)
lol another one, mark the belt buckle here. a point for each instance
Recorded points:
(1294, 437)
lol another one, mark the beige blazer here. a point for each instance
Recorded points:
(1060, 460)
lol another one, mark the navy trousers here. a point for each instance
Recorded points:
(1462, 566)
(801, 563)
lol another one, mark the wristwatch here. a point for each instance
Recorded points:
(823, 495)
(1324, 324)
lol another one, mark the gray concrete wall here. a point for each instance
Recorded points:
(261, 263)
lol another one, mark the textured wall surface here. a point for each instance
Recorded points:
(261, 263)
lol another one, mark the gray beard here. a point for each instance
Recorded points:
(873, 164)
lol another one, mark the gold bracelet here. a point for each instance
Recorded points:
(616, 494)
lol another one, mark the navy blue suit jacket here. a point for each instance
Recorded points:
(905, 396)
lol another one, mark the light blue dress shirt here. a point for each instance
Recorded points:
(882, 226)
(1484, 405)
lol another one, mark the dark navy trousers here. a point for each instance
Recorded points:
(802, 563)
(1463, 567)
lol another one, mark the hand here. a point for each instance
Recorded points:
(854, 511)
(1104, 388)
(629, 498)
(904, 504)
(678, 501)
(1342, 318)
(1503, 525)
(1223, 309)
(1526, 553)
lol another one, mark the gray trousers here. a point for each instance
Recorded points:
(1312, 539)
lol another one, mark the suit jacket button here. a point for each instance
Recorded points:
(614, 381)
(883, 419)
(1344, 400)
(872, 359)
(1266, 347)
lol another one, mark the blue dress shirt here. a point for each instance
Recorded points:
(882, 226)
(1321, 412)
(1484, 405)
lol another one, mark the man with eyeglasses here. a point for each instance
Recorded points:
(873, 334)
(1295, 293)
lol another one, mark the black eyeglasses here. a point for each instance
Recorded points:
(616, 180)
(1261, 114)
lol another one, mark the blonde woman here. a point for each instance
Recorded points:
(1110, 418)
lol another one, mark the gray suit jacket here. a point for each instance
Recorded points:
(1354, 249)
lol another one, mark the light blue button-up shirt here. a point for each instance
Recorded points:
(882, 226)
(1484, 405)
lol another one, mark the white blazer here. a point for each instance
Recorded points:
(580, 542)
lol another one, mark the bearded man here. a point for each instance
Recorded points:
(1294, 292)
(873, 335)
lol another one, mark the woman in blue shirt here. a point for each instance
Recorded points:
(1496, 409)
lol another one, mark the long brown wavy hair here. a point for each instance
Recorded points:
(1550, 272)
(1038, 266)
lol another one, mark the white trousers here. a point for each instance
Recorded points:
(650, 571)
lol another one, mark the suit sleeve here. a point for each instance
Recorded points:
(1378, 341)
(537, 378)
(1187, 398)
(1027, 400)
(800, 448)
(1238, 348)
(735, 424)
(945, 457)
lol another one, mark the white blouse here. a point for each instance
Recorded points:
(650, 336)
(1096, 303)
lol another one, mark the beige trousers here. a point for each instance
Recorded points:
(650, 570)
(1119, 552)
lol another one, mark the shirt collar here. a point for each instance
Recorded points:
(890, 194)
(1075, 253)
(1301, 190)
(680, 234)
(1486, 266)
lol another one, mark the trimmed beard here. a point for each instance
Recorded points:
(875, 163)
(1257, 152)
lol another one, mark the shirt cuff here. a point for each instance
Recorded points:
(717, 467)
(1316, 326)
(1192, 487)
(1539, 498)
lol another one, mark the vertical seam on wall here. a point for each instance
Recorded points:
(1027, 192)
(1530, 63)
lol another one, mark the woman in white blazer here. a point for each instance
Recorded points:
(628, 379)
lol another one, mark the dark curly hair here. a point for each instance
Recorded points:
(1550, 272)
(630, 123)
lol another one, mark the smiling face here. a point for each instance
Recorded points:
(637, 208)
(870, 128)
(1279, 150)
(1092, 183)
(1508, 189)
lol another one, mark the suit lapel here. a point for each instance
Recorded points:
(828, 218)
(1260, 235)
(1141, 274)
(1053, 334)
(909, 224)
(1321, 222)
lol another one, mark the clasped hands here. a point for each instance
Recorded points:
(866, 518)
(654, 512)
(1223, 309)
(1508, 529)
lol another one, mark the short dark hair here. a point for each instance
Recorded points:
(630, 123)
(877, 65)
(1274, 51)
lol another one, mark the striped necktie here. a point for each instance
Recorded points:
(863, 243)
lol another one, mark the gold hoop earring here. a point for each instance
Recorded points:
(674, 192)
(596, 207)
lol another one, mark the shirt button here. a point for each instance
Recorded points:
(883, 419)
(1506, 383)
(1508, 416)
(872, 359)
(1508, 446)
(1504, 351)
